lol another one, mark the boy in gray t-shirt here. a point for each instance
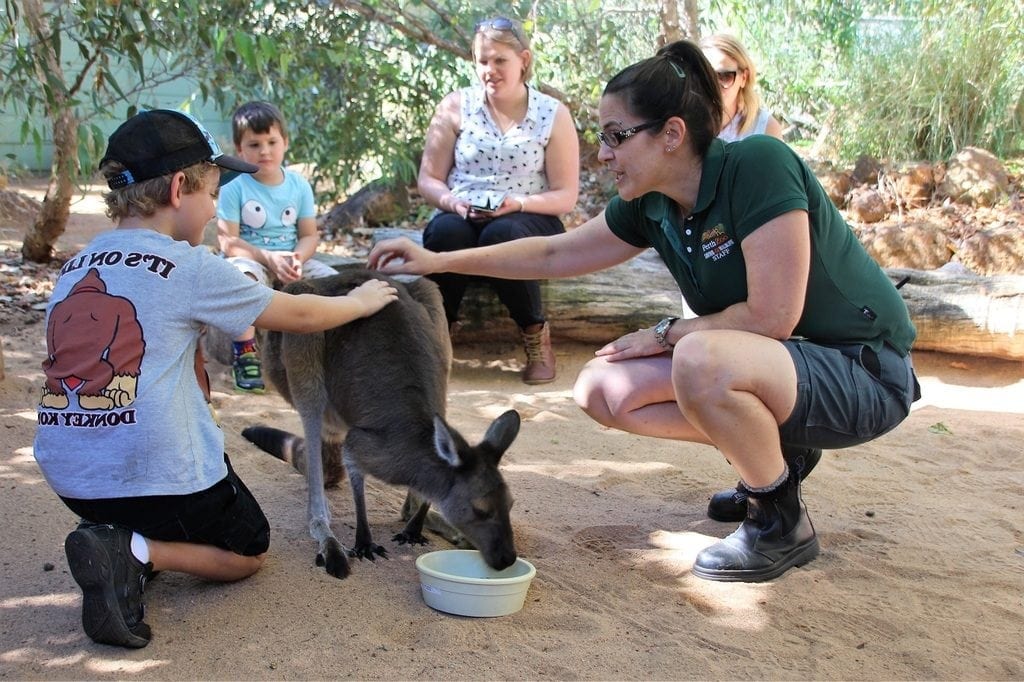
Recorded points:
(125, 436)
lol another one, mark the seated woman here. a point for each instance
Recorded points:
(501, 163)
(742, 113)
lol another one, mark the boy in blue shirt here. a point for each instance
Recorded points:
(266, 222)
(125, 435)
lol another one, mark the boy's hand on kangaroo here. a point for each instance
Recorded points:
(374, 294)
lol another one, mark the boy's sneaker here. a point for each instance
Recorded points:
(112, 580)
(248, 377)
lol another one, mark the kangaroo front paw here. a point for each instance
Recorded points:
(368, 551)
(332, 558)
(404, 538)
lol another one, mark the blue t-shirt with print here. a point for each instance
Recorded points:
(267, 215)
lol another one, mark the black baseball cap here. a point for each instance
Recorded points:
(163, 141)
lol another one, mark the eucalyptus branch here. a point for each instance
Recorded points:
(422, 35)
(447, 18)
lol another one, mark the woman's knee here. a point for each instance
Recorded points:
(590, 392)
(449, 232)
(500, 231)
(696, 368)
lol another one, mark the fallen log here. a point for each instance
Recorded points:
(959, 312)
(954, 311)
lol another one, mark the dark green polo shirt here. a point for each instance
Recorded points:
(743, 185)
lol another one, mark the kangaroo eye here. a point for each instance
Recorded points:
(482, 510)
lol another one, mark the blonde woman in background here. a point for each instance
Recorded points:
(742, 113)
(501, 162)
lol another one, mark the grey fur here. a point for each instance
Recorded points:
(291, 448)
(378, 386)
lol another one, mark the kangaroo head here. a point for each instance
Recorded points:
(478, 501)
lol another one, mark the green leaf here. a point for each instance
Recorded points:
(244, 46)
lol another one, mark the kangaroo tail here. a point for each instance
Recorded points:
(281, 444)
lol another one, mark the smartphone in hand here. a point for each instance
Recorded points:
(487, 201)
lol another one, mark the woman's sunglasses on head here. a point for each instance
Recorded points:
(498, 24)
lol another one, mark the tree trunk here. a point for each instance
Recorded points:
(52, 218)
(53, 214)
(670, 30)
(692, 14)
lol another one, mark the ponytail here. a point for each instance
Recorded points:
(676, 81)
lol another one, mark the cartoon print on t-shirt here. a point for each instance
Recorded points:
(94, 346)
(289, 216)
(253, 218)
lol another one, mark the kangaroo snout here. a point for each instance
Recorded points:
(500, 557)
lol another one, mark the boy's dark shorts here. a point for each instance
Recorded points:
(226, 515)
(847, 394)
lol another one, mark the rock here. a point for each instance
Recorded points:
(866, 169)
(867, 205)
(914, 184)
(919, 245)
(974, 177)
(378, 203)
(994, 251)
(837, 185)
(17, 209)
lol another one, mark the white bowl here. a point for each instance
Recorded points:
(459, 581)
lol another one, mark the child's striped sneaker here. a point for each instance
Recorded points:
(248, 377)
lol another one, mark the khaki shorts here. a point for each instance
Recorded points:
(310, 269)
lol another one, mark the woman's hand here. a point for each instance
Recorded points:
(511, 204)
(639, 344)
(453, 204)
(402, 256)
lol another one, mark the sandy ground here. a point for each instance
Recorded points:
(921, 574)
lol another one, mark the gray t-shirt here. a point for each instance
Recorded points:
(123, 411)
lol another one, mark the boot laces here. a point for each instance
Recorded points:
(534, 344)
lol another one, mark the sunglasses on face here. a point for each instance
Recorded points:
(498, 24)
(727, 78)
(613, 138)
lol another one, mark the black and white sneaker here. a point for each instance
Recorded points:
(112, 580)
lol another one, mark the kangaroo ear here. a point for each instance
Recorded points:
(444, 444)
(501, 433)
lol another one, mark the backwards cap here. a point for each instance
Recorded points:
(163, 141)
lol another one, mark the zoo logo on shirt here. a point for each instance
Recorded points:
(715, 244)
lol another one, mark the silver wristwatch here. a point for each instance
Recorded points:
(661, 332)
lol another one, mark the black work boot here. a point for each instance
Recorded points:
(731, 505)
(776, 535)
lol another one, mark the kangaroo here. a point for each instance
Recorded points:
(291, 448)
(378, 387)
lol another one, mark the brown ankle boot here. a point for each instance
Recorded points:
(540, 359)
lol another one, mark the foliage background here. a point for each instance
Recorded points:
(898, 79)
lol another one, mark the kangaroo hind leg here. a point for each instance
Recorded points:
(364, 547)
